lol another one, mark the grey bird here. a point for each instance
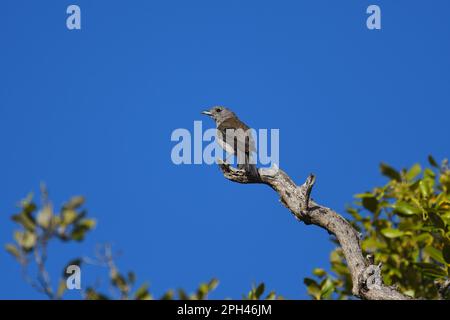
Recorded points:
(234, 137)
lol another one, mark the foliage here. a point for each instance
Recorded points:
(257, 292)
(405, 226)
(40, 225)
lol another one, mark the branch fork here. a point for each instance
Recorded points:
(366, 276)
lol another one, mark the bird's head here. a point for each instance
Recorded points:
(219, 114)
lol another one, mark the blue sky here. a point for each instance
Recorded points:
(91, 112)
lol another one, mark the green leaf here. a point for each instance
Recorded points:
(13, 250)
(213, 283)
(442, 201)
(260, 290)
(202, 291)
(431, 270)
(340, 268)
(413, 172)
(364, 195)
(425, 238)
(335, 257)
(79, 232)
(118, 280)
(271, 296)
(205, 288)
(182, 294)
(446, 253)
(405, 208)
(25, 219)
(392, 233)
(354, 213)
(435, 254)
(428, 173)
(389, 172)
(44, 217)
(436, 220)
(27, 200)
(28, 208)
(327, 288)
(314, 289)
(432, 161)
(169, 295)
(68, 216)
(74, 203)
(425, 189)
(371, 244)
(309, 282)
(91, 294)
(370, 204)
(62, 286)
(410, 293)
(319, 272)
(26, 240)
(142, 293)
(87, 223)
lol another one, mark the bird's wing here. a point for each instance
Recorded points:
(244, 142)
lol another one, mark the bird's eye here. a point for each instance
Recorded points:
(218, 110)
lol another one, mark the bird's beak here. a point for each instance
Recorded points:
(207, 113)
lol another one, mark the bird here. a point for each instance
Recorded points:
(234, 137)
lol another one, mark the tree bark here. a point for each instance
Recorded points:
(366, 277)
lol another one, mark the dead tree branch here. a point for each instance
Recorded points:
(366, 277)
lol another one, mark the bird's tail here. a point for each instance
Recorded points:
(249, 167)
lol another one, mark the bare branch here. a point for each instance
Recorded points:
(28, 279)
(43, 276)
(366, 277)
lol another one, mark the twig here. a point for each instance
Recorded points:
(43, 276)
